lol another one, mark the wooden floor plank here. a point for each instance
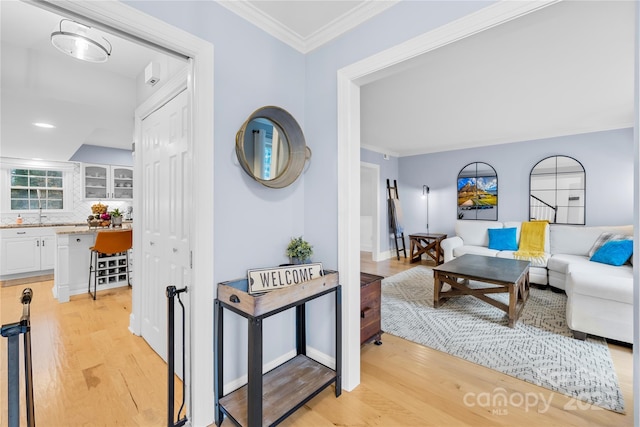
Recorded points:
(89, 370)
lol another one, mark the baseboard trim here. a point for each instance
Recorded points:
(26, 280)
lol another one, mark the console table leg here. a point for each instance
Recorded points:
(254, 373)
(217, 356)
(338, 306)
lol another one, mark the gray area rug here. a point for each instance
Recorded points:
(540, 349)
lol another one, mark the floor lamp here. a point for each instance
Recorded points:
(425, 195)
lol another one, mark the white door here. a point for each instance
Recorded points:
(165, 202)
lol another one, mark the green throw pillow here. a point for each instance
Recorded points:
(616, 252)
(503, 239)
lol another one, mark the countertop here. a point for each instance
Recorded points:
(56, 224)
(85, 229)
(69, 228)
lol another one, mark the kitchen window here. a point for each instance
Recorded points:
(33, 189)
(32, 185)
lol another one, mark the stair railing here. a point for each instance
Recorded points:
(12, 332)
(172, 292)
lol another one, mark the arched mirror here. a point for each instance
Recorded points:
(478, 192)
(271, 148)
(557, 190)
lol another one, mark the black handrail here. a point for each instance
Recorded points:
(171, 292)
(13, 331)
(554, 208)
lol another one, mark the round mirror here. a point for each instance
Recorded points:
(271, 148)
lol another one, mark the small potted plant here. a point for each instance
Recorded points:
(299, 251)
(116, 217)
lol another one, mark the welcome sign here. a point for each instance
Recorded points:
(270, 279)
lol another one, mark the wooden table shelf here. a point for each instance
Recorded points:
(290, 385)
(267, 399)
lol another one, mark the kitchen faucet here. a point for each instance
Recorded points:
(39, 208)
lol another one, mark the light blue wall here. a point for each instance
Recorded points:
(253, 224)
(102, 155)
(405, 20)
(606, 156)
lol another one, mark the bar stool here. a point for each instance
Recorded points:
(108, 243)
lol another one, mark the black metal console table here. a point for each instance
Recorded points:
(266, 400)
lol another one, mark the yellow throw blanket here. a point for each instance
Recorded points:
(531, 241)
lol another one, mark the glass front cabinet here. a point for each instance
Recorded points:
(107, 182)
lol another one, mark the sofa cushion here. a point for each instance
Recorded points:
(560, 262)
(601, 286)
(578, 239)
(541, 261)
(604, 238)
(475, 233)
(615, 252)
(475, 250)
(503, 239)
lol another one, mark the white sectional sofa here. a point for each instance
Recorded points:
(472, 237)
(599, 296)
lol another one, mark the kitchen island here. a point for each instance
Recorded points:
(71, 272)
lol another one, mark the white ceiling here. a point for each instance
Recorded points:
(307, 24)
(88, 103)
(562, 70)
(565, 69)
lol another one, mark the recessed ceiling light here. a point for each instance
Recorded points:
(44, 125)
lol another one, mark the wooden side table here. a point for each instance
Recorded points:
(423, 243)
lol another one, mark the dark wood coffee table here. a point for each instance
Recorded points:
(505, 275)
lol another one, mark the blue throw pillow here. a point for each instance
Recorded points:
(616, 252)
(503, 239)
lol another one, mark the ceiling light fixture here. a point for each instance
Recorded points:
(80, 41)
(44, 125)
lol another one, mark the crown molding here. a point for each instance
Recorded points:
(328, 32)
(356, 16)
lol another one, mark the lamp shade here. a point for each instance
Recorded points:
(80, 41)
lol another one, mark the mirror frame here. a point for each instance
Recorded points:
(298, 150)
(555, 174)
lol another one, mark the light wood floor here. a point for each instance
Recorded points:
(89, 370)
(405, 384)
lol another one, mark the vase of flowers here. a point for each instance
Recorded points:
(299, 251)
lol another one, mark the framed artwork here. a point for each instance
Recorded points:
(478, 192)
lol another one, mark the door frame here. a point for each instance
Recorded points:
(375, 222)
(123, 18)
(349, 81)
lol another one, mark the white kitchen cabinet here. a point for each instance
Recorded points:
(48, 252)
(27, 250)
(105, 182)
